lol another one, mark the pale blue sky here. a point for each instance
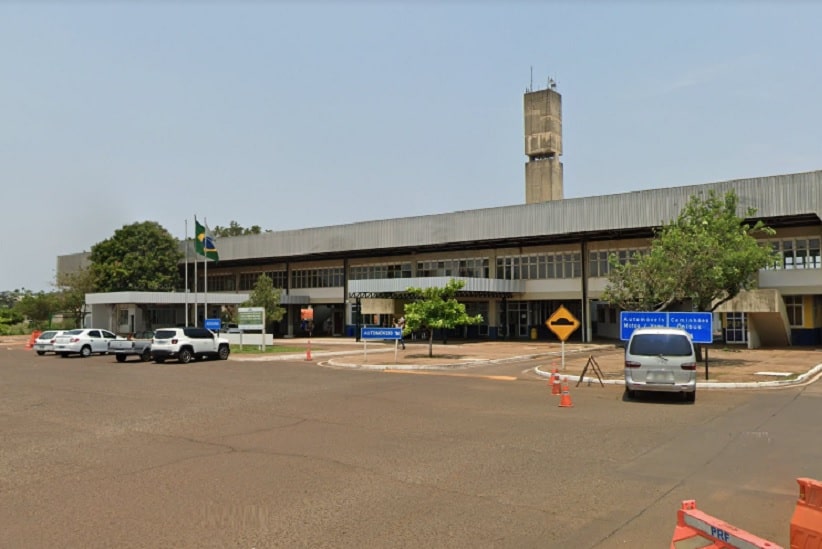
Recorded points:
(290, 115)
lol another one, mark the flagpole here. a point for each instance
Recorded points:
(185, 288)
(205, 275)
(196, 297)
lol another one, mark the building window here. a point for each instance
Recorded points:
(380, 270)
(328, 277)
(793, 306)
(540, 266)
(217, 283)
(248, 281)
(599, 265)
(799, 253)
(475, 267)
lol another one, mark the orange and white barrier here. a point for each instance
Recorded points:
(697, 529)
(806, 524)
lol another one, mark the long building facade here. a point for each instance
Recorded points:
(519, 264)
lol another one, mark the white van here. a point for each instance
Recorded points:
(660, 359)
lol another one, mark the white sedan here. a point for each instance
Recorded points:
(83, 342)
(45, 342)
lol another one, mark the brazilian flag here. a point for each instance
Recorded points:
(203, 243)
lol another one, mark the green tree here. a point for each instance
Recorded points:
(9, 298)
(72, 288)
(9, 315)
(234, 229)
(266, 295)
(139, 257)
(702, 259)
(436, 308)
(38, 307)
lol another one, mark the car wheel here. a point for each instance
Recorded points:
(630, 394)
(85, 351)
(41, 353)
(145, 356)
(159, 360)
(120, 358)
(223, 352)
(184, 356)
(690, 397)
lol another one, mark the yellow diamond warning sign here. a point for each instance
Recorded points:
(562, 323)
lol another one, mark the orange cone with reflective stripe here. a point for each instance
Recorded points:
(556, 386)
(565, 400)
(551, 377)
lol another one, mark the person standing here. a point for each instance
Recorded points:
(400, 323)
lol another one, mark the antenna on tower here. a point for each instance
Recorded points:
(531, 85)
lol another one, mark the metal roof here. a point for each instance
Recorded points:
(635, 213)
(181, 298)
(781, 200)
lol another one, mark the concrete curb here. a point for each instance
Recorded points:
(323, 356)
(445, 367)
(803, 379)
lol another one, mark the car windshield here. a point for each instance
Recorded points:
(660, 344)
(47, 335)
(74, 332)
(164, 334)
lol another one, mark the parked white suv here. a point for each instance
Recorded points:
(83, 342)
(660, 359)
(186, 344)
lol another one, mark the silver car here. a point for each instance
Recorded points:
(660, 359)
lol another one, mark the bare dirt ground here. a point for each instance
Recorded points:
(726, 364)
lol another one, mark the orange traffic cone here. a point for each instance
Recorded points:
(556, 386)
(565, 401)
(34, 335)
(308, 351)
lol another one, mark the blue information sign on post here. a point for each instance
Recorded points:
(213, 324)
(381, 333)
(699, 325)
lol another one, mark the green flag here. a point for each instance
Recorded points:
(203, 243)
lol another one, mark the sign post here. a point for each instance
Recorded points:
(251, 318)
(563, 324)
(307, 316)
(394, 334)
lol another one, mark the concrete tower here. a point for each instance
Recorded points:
(543, 145)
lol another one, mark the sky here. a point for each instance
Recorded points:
(291, 115)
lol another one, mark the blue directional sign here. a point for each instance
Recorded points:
(699, 325)
(213, 324)
(381, 333)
